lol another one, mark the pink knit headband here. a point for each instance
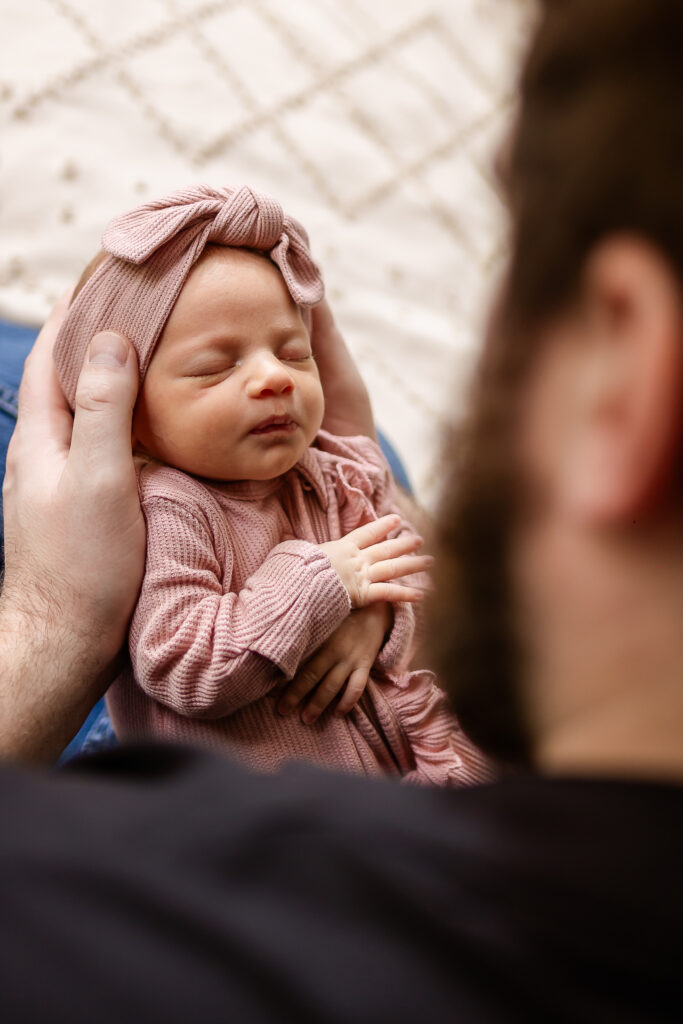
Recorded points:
(151, 251)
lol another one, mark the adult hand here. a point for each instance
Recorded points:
(347, 404)
(343, 663)
(74, 544)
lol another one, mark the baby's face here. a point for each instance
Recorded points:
(232, 391)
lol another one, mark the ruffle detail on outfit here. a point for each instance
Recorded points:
(357, 478)
(354, 492)
(443, 755)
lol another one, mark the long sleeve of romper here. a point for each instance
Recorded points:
(206, 651)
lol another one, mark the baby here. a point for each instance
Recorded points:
(264, 531)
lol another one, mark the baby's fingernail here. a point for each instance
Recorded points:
(108, 349)
(308, 718)
(429, 559)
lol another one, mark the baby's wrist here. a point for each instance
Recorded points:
(383, 611)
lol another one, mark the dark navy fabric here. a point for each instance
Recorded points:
(152, 884)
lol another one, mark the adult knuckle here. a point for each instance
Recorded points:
(11, 461)
(29, 363)
(108, 483)
(97, 391)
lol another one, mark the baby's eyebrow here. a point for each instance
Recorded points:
(188, 358)
(219, 345)
(288, 331)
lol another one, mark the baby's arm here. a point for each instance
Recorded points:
(379, 636)
(342, 666)
(205, 651)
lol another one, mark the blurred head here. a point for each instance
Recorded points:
(232, 391)
(566, 485)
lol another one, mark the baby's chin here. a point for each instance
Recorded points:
(260, 473)
(218, 473)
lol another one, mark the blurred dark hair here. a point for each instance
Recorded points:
(598, 146)
(597, 149)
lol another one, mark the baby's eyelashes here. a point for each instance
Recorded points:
(215, 372)
(208, 373)
(295, 353)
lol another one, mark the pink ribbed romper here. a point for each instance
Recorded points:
(237, 594)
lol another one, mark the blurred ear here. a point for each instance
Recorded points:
(624, 450)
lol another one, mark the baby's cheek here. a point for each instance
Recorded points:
(157, 422)
(318, 402)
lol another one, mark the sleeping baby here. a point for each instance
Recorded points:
(264, 532)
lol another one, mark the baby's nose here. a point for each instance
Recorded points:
(269, 377)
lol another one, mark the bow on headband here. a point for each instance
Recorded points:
(151, 251)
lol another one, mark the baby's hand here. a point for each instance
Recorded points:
(366, 562)
(341, 667)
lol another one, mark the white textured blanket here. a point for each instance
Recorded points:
(373, 122)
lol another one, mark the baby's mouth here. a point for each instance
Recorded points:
(274, 425)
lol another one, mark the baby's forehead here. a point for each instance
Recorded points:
(233, 258)
(247, 273)
(230, 289)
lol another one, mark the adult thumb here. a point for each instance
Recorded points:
(105, 396)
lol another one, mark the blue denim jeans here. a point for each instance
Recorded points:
(96, 733)
(15, 342)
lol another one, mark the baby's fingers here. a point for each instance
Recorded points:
(391, 592)
(373, 532)
(306, 679)
(393, 548)
(326, 692)
(355, 686)
(394, 568)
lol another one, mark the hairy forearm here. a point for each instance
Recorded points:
(47, 685)
(74, 544)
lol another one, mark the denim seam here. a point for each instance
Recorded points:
(8, 401)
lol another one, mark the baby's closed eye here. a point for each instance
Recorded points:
(295, 352)
(210, 372)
